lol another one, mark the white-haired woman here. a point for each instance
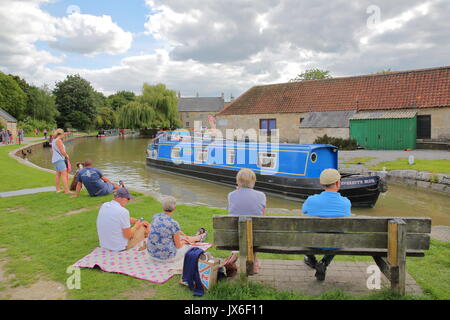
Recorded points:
(245, 200)
(59, 157)
(166, 242)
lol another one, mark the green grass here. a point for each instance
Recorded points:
(41, 242)
(15, 176)
(434, 166)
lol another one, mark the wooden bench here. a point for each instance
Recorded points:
(388, 240)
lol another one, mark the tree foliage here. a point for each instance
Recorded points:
(75, 100)
(136, 115)
(120, 99)
(157, 107)
(312, 74)
(12, 98)
(106, 118)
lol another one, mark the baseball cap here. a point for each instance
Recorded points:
(329, 176)
(123, 193)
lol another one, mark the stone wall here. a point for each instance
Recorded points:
(188, 118)
(287, 123)
(425, 180)
(440, 122)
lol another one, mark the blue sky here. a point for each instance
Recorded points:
(212, 47)
(130, 15)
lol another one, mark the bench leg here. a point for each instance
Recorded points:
(246, 254)
(397, 255)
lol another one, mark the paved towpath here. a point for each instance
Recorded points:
(350, 277)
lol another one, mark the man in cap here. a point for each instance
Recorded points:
(114, 224)
(327, 204)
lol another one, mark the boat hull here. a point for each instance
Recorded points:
(362, 191)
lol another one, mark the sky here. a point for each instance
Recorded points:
(210, 47)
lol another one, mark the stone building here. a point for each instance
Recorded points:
(303, 111)
(199, 109)
(8, 122)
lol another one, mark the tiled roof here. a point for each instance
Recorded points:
(5, 115)
(200, 104)
(397, 90)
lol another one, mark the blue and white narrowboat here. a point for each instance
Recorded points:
(287, 170)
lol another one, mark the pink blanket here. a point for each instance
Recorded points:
(133, 262)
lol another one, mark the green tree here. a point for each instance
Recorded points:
(41, 104)
(384, 71)
(106, 118)
(165, 104)
(136, 115)
(312, 74)
(74, 98)
(120, 99)
(12, 98)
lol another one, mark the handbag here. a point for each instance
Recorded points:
(230, 265)
(69, 167)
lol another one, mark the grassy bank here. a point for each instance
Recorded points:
(42, 235)
(433, 166)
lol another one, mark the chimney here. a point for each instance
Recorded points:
(231, 97)
(223, 96)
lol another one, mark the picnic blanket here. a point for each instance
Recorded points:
(133, 263)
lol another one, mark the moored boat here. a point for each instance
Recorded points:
(287, 170)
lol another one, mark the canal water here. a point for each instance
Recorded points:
(124, 159)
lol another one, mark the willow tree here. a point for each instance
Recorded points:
(136, 115)
(165, 104)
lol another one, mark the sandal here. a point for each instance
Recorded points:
(202, 232)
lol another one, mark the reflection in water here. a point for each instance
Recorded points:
(124, 159)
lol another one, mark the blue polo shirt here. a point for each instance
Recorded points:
(328, 205)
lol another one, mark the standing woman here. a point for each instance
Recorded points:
(59, 158)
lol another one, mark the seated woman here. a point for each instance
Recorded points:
(166, 242)
(245, 200)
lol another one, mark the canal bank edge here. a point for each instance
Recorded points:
(439, 182)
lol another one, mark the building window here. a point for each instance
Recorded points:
(267, 160)
(301, 120)
(231, 156)
(266, 125)
(201, 155)
(187, 124)
(176, 152)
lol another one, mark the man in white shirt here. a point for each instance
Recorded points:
(114, 224)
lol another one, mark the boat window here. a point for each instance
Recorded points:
(202, 155)
(231, 156)
(267, 160)
(176, 152)
(313, 157)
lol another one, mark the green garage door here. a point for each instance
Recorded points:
(390, 130)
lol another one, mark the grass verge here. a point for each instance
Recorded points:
(433, 166)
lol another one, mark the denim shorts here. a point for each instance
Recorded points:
(60, 165)
(107, 189)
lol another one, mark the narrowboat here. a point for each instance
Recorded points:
(288, 170)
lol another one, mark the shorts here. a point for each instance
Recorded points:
(107, 189)
(60, 165)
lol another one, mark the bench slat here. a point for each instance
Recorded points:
(304, 250)
(320, 240)
(347, 224)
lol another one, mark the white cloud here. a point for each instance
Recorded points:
(90, 35)
(24, 23)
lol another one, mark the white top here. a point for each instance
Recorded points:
(111, 220)
(56, 153)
